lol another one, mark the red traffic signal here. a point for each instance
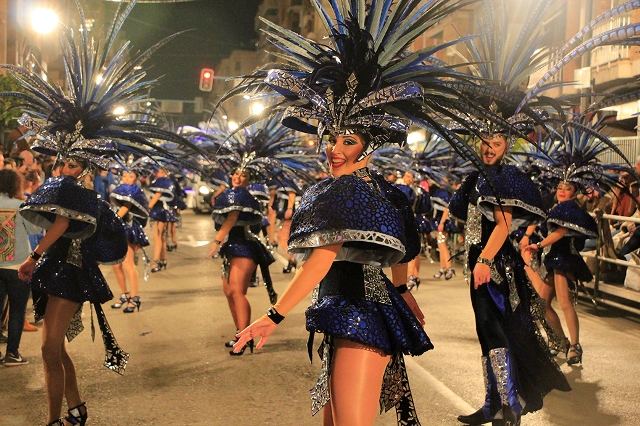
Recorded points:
(206, 79)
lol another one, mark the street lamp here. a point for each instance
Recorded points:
(44, 20)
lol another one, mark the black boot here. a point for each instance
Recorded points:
(485, 413)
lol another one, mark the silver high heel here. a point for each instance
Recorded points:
(439, 274)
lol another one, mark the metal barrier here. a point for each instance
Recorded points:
(598, 287)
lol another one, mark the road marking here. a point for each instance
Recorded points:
(192, 242)
(460, 404)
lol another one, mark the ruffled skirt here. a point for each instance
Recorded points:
(158, 213)
(391, 328)
(135, 234)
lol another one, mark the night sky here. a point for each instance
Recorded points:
(219, 26)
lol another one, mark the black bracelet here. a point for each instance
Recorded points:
(402, 288)
(274, 315)
(217, 242)
(35, 256)
(528, 235)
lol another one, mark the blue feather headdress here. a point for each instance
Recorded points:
(80, 122)
(573, 155)
(364, 80)
(266, 149)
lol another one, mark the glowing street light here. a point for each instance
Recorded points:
(232, 125)
(119, 110)
(43, 20)
(257, 108)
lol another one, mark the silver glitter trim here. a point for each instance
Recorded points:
(514, 298)
(573, 229)
(300, 248)
(500, 369)
(535, 217)
(32, 214)
(75, 325)
(473, 235)
(320, 392)
(374, 286)
(441, 238)
(219, 217)
(142, 213)
(74, 256)
(167, 193)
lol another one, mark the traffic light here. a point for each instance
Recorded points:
(206, 79)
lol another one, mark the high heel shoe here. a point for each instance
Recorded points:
(159, 265)
(241, 351)
(293, 264)
(413, 282)
(58, 422)
(135, 301)
(449, 274)
(576, 359)
(230, 343)
(558, 346)
(123, 299)
(170, 247)
(439, 274)
(76, 416)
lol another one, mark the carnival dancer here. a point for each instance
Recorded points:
(283, 204)
(133, 209)
(573, 166)
(162, 212)
(79, 126)
(518, 370)
(253, 156)
(357, 94)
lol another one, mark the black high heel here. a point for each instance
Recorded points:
(576, 359)
(293, 264)
(241, 351)
(449, 274)
(439, 274)
(159, 265)
(76, 417)
(135, 301)
(170, 247)
(414, 282)
(123, 299)
(58, 422)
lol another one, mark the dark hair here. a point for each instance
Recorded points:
(32, 176)
(10, 183)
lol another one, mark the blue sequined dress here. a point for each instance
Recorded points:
(564, 255)
(69, 268)
(136, 217)
(355, 300)
(509, 295)
(163, 211)
(243, 240)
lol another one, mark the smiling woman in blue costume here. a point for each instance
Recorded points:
(361, 91)
(162, 213)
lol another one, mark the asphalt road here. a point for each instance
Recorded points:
(180, 372)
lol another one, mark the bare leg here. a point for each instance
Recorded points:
(283, 237)
(59, 372)
(355, 382)
(271, 229)
(159, 249)
(118, 271)
(566, 303)
(414, 267)
(240, 273)
(173, 232)
(129, 267)
(226, 288)
(445, 263)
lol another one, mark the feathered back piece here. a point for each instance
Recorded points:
(364, 80)
(440, 163)
(79, 120)
(267, 150)
(504, 55)
(623, 35)
(574, 156)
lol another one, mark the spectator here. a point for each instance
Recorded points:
(16, 228)
(28, 161)
(9, 163)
